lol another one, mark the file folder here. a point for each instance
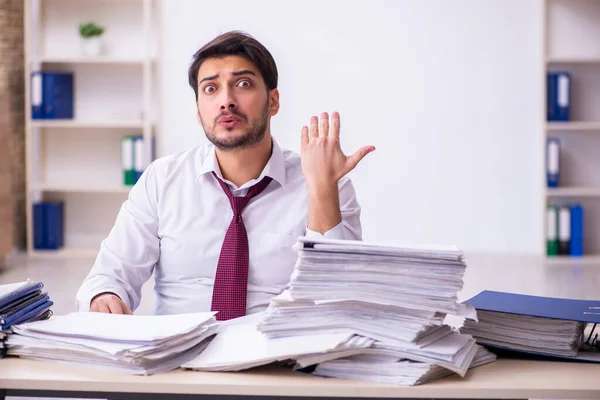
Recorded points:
(17, 291)
(552, 162)
(551, 231)
(48, 225)
(538, 306)
(564, 230)
(52, 95)
(127, 159)
(558, 96)
(576, 230)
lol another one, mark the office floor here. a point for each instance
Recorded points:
(519, 274)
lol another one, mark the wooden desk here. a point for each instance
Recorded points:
(506, 379)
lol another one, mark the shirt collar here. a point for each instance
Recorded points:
(275, 167)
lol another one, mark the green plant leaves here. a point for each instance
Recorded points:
(90, 30)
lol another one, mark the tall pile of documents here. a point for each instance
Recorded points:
(21, 302)
(397, 296)
(140, 345)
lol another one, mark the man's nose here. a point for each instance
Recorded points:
(228, 101)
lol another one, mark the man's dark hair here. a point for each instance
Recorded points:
(240, 44)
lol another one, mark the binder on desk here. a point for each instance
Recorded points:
(16, 292)
(534, 325)
(558, 96)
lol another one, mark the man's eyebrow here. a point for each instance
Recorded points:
(208, 78)
(243, 72)
(235, 73)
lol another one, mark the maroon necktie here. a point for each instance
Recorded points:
(231, 278)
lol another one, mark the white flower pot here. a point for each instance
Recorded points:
(92, 46)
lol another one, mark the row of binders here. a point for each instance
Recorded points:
(352, 310)
(565, 225)
(132, 158)
(21, 303)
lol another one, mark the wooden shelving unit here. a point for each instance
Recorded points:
(571, 34)
(78, 160)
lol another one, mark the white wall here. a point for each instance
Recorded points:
(450, 93)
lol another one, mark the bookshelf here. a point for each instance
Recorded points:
(570, 43)
(78, 161)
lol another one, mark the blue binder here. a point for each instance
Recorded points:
(552, 162)
(52, 95)
(576, 247)
(18, 292)
(48, 225)
(558, 90)
(537, 306)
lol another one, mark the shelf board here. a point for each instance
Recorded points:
(71, 123)
(65, 252)
(45, 187)
(573, 191)
(572, 126)
(89, 60)
(587, 259)
(573, 60)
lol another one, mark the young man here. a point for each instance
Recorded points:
(217, 223)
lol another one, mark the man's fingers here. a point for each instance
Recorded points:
(334, 131)
(304, 135)
(126, 309)
(324, 125)
(355, 158)
(103, 307)
(314, 127)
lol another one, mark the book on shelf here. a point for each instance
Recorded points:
(564, 235)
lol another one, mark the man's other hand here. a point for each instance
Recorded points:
(109, 303)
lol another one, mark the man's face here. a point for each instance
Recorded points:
(233, 103)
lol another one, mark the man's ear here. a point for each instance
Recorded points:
(273, 102)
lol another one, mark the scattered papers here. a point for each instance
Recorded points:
(141, 345)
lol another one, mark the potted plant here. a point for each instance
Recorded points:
(91, 39)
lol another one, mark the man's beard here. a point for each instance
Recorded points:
(255, 132)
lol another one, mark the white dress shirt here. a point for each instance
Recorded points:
(174, 222)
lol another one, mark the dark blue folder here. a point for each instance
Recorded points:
(537, 306)
(19, 293)
(52, 95)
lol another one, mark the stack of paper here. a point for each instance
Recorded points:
(19, 303)
(131, 344)
(397, 296)
(391, 369)
(239, 345)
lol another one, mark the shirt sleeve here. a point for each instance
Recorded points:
(350, 227)
(129, 253)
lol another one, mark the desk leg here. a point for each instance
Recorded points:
(2, 394)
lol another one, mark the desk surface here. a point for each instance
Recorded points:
(502, 379)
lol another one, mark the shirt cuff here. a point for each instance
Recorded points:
(337, 232)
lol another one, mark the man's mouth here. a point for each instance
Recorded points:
(229, 121)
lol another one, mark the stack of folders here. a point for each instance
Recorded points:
(536, 326)
(21, 302)
(140, 345)
(396, 296)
